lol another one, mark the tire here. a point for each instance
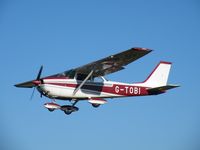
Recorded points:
(95, 105)
(51, 109)
(69, 107)
(67, 112)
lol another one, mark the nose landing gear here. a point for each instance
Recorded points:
(68, 109)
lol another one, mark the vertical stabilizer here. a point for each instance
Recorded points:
(158, 77)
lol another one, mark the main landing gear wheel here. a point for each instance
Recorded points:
(95, 105)
(51, 109)
(68, 109)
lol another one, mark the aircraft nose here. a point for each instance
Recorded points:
(36, 82)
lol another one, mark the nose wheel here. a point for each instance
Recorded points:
(68, 109)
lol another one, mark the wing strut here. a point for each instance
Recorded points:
(78, 88)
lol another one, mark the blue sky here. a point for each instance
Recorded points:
(65, 34)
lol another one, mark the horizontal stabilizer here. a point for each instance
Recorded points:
(161, 89)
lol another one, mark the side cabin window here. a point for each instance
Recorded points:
(81, 76)
(98, 79)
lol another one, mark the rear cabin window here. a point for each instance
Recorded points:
(98, 79)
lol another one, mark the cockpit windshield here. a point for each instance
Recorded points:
(69, 74)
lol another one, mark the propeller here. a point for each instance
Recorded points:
(39, 73)
(32, 94)
(37, 82)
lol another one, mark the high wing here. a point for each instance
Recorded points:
(111, 63)
(103, 66)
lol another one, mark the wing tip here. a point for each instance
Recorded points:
(15, 85)
(142, 49)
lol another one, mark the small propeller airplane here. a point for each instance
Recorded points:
(87, 82)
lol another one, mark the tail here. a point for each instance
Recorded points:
(157, 80)
(159, 75)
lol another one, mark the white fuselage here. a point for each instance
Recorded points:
(64, 89)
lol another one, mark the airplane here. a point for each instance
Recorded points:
(88, 82)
